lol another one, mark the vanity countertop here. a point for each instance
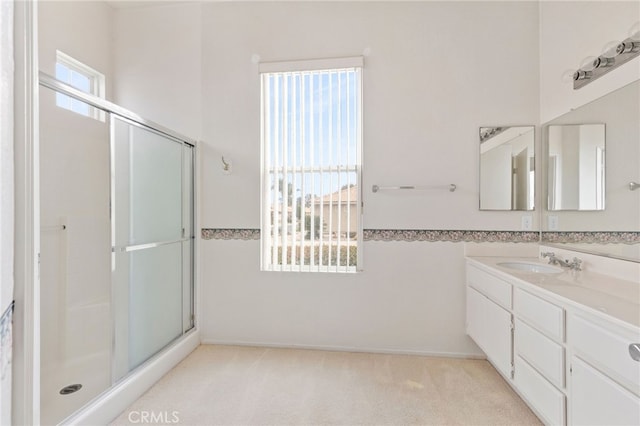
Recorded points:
(617, 299)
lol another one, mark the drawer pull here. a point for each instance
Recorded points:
(634, 351)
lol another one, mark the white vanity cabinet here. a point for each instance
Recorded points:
(569, 362)
(488, 322)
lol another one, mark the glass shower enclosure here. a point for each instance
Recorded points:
(117, 246)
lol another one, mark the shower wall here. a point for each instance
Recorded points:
(75, 237)
(75, 250)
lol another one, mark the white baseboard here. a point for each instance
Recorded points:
(344, 349)
(113, 402)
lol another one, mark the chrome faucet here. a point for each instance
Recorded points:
(574, 265)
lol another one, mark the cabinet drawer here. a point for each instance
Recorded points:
(494, 288)
(541, 352)
(605, 349)
(541, 314)
(598, 400)
(546, 400)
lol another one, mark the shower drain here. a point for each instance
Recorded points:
(70, 389)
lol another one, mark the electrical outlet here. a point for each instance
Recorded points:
(553, 223)
(527, 222)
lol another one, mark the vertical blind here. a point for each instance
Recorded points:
(311, 152)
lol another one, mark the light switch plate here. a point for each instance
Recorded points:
(553, 223)
(527, 222)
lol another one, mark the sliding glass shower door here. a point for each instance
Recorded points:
(152, 239)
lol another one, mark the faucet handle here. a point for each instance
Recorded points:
(548, 254)
(575, 264)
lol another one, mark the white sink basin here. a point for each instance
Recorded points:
(531, 267)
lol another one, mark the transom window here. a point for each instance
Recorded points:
(82, 77)
(311, 165)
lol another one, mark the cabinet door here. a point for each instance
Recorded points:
(490, 327)
(597, 400)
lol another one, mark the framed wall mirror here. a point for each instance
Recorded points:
(507, 168)
(576, 167)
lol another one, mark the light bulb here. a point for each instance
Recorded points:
(588, 63)
(628, 47)
(609, 49)
(602, 62)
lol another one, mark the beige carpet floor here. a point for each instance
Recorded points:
(229, 385)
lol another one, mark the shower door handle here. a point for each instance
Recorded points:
(148, 246)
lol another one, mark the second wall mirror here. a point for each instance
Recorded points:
(507, 168)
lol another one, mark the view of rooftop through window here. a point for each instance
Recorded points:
(311, 133)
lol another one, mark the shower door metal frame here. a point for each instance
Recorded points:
(52, 83)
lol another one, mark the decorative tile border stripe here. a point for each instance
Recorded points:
(230, 234)
(591, 237)
(451, 235)
(396, 235)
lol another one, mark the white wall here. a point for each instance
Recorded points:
(79, 29)
(157, 57)
(432, 79)
(410, 298)
(437, 72)
(571, 31)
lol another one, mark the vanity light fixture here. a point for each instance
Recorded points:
(628, 46)
(614, 55)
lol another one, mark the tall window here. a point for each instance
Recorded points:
(82, 77)
(311, 165)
